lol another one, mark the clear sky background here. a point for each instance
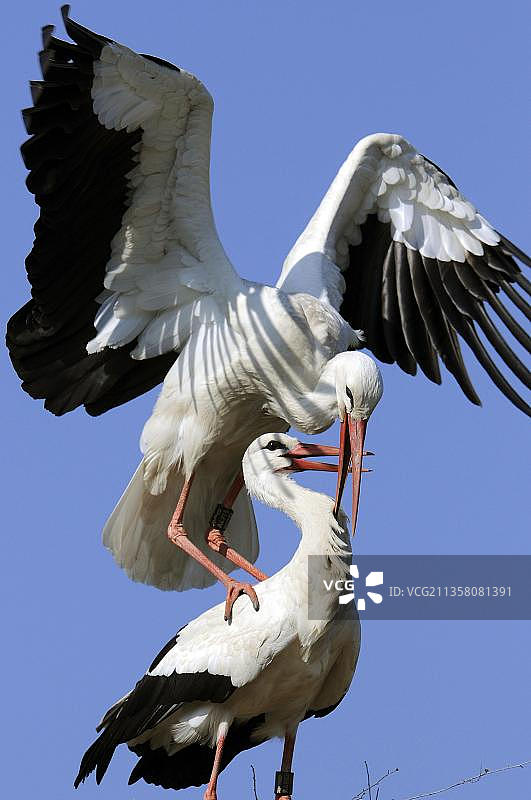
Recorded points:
(295, 85)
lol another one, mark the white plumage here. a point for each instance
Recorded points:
(384, 175)
(394, 258)
(275, 668)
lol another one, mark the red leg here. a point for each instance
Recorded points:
(210, 791)
(219, 544)
(177, 534)
(284, 777)
(215, 534)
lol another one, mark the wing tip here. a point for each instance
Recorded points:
(85, 38)
(46, 34)
(65, 12)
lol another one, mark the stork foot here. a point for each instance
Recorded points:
(234, 590)
(210, 793)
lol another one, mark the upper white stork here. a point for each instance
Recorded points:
(214, 691)
(131, 285)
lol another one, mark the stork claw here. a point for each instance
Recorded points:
(234, 590)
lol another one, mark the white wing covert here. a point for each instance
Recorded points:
(166, 256)
(240, 652)
(126, 258)
(399, 251)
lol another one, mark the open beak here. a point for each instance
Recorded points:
(352, 437)
(302, 451)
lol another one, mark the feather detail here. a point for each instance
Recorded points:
(394, 294)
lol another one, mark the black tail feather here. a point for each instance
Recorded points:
(97, 757)
(192, 766)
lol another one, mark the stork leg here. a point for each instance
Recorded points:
(177, 534)
(218, 524)
(284, 777)
(210, 791)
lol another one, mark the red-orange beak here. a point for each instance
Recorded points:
(352, 438)
(301, 451)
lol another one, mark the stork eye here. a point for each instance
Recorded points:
(274, 445)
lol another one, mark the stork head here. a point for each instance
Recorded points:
(359, 384)
(359, 387)
(267, 454)
(276, 454)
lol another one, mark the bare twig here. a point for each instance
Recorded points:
(365, 791)
(368, 780)
(254, 783)
(484, 771)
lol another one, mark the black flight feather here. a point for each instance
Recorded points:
(392, 323)
(144, 708)
(412, 323)
(517, 299)
(192, 766)
(78, 174)
(443, 339)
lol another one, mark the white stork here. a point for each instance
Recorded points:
(214, 691)
(131, 285)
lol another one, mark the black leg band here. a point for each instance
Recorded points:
(221, 517)
(283, 782)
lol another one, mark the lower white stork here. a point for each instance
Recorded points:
(214, 691)
(131, 285)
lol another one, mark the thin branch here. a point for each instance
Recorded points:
(368, 780)
(367, 789)
(254, 783)
(473, 779)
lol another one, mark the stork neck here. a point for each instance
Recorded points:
(313, 410)
(311, 511)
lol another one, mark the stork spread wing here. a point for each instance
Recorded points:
(126, 258)
(397, 249)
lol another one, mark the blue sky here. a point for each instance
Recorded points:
(295, 86)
